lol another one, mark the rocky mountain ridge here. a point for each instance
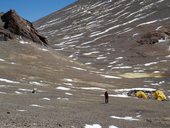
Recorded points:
(12, 24)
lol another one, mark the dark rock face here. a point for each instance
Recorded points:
(151, 37)
(14, 24)
(154, 36)
(5, 35)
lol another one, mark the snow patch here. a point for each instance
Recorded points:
(2, 60)
(160, 1)
(138, 116)
(21, 110)
(138, 71)
(38, 83)
(158, 84)
(35, 83)
(43, 49)
(158, 28)
(105, 31)
(25, 90)
(124, 118)
(17, 92)
(150, 22)
(161, 40)
(123, 67)
(68, 94)
(113, 62)
(111, 77)
(59, 98)
(88, 63)
(81, 69)
(46, 99)
(69, 84)
(63, 88)
(90, 53)
(13, 63)
(92, 88)
(3, 93)
(93, 126)
(129, 89)
(112, 126)
(8, 81)
(135, 34)
(119, 58)
(35, 105)
(119, 95)
(101, 57)
(68, 80)
(23, 42)
(149, 64)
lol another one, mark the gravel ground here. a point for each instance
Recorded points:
(55, 109)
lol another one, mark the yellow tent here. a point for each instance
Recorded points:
(159, 95)
(141, 94)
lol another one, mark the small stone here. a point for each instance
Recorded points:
(8, 112)
(149, 120)
(59, 125)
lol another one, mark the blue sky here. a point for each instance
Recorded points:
(33, 10)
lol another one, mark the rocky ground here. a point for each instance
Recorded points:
(76, 108)
(70, 95)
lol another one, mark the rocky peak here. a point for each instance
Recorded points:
(15, 24)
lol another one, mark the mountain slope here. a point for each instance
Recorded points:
(129, 38)
(99, 32)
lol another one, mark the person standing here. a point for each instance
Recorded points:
(106, 95)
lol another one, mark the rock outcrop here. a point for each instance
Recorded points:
(12, 24)
(5, 35)
(154, 36)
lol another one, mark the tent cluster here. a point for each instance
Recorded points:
(157, 94)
